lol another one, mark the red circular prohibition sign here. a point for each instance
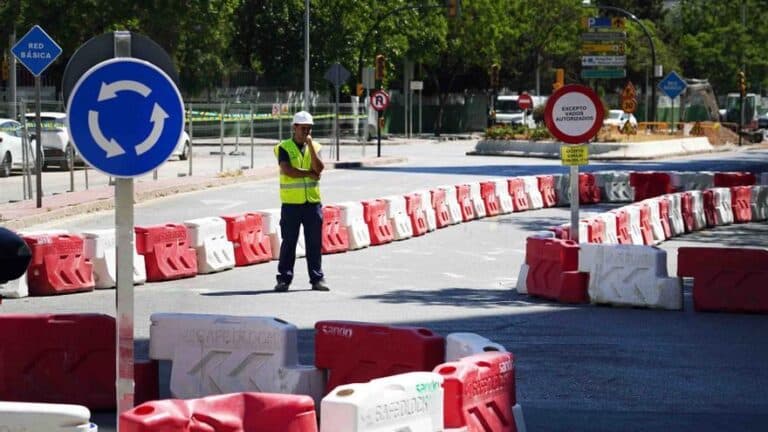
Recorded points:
(581, 93)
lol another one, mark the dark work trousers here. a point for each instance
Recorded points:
(292, 216)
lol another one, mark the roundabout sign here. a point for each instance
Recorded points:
(125, 117)
(574, 114)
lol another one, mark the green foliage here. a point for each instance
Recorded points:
(504, 132)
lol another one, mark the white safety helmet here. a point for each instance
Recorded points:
(302, 118)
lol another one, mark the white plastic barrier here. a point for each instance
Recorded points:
(505, 199)
(658, 230)
(688, 181)
(614, 186)
(429, 211)
(723, 209)
(43, 417)
(630, 275)
(352, 218)
(100, 247)
(271, 220)
(477, 199)
(217, 354)
(763, 178)
(759, 203)
(699, 218)
(532, 192)
(522, 275)
(398, 217)
(454, 208)
(609, 219)
(563, 189)
(208, 236)
(19, 288)
(410, 402)
(676, 223)
(458, 345)
(635, 234)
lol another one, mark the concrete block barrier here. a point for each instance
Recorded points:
(100, 249)
(630, 275)
(398, 217)
(505, 199)
(22, 417)
(726, 279)
(479, 392)
(355, 352)
(403, 402)
(217, 354)
(460, 345)
(208, 236)
(231, 412)
(352, 218)
(477, 200)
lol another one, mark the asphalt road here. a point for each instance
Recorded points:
(578, 367)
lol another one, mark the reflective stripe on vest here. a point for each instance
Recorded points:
(297, 190)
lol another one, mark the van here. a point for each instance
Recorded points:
(507, 111)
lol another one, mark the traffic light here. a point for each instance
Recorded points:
(454, 8)
(742, 83)
(380, 67)
(494, 73)
(559, 79)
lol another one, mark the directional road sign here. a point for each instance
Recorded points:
(604, 36)
(379, 100)
(599, 48)
(603, 73)
(36, 50)
(607, 60)
(672, 85)
(125, 116)
(603, 23)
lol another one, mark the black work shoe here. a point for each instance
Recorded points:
(320, 286)
(282, 286)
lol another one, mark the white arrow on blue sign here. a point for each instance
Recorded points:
(672, 85)
(36, 50)
(125, 116)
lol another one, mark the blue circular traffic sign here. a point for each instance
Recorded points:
(125, 117)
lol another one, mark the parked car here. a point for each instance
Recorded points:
(618, 118)
(11, 150)
(507, 110)
(182, 147)
(57, 147)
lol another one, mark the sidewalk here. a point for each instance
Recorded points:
(24, 214)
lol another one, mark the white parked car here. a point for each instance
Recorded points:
(55, 139)
(11, 149)
(182, 147)
(618, 118)
(507, 110)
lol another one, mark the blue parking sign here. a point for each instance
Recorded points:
(36, 50)
(125, 117)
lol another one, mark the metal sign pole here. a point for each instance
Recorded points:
(250, 126)
(191, 139)
(575, 203)
(39, 144)
(336, 123)
(124, 290)
(378, 133)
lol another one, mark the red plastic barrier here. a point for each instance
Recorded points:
(547, 189)
(710, 210)
(166, 251)
(479, 392)
(67, 359)
(731, 179)
(415, 210)
(725, 279)
(595, 231)
(234, 412)
(146, 375)
(664, 216)
(58, 265)
(589, 192)
(553, 270)
(650, 184)
(246, 232)
(686, 206)
(517, 192)
(490, 199)
(355, 352)
(646, 229)
(562, 232)
(623, 227)
(464, 196)
(741, 203)
(375, 215)
(442, 213)
(335, 235)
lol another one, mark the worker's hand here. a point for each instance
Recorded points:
(308, 141)
(313, 175)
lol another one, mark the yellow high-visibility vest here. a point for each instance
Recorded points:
(298, 190)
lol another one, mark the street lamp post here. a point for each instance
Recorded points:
(306, 55)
